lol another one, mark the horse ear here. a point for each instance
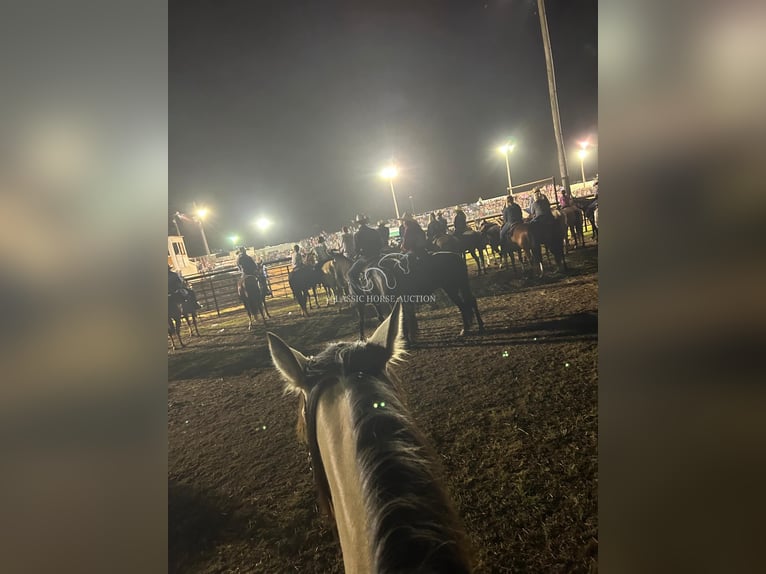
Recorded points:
(290, 363)
(389, 334)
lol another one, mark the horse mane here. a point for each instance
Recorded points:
(412, 525)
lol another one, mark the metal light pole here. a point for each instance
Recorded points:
(389, 173)
(582, 153)
(201, 213)
(506, 149)
(563, 171)
(412, 204)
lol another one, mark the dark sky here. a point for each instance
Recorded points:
(289, 109)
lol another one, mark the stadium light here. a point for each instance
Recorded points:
(263, 223)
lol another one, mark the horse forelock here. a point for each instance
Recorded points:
(411, 521)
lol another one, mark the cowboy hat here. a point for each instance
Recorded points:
(361, 219)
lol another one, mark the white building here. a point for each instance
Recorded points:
(178, 258)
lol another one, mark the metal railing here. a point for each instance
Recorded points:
(218, 289)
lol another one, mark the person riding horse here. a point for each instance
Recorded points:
(461, 226)
(321, 254)
(566, 198)
(297, 259)
(368, 243)
(385, 233)
(540, 211)
(512, 216)
(442, 222)
(177, 284)
(434, 228)
(246, 264)
(414, 243)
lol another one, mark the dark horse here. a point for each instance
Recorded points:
(392, 277)
(470, 241)
(249, 290)
(588, 208)
(175, 311)
(374, 472)
(491, 232)
(188, 306)
(474, 242)
(574, 218)
(303, 280)
(551, 234)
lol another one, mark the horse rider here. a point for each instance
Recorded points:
(263, 273)
(443, 222)
(512, 216)
(414, 239)
(368, 244)
(297, 259)
(434, 228)
(566, 198)
(540, 210)
(246, 264)
(347, 246)
(177, 284)
(320, 253)
(385, 233)
(461, 226)
(593, 204)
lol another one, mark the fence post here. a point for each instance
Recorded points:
(215, 300)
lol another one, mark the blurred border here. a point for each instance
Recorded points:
(83, 178)
(682, 310)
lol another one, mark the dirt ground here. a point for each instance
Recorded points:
(513, 414)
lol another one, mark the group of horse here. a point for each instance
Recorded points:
(396, 275)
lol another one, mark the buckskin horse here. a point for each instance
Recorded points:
(392, 277)
(374, 472)
(249, 291)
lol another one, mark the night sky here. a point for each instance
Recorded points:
(290, 109)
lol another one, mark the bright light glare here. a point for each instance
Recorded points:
(263, 223)
(234, 239)
(582, 153)
(584, 144)
(389, 172)
(506, 148)
(202, 212)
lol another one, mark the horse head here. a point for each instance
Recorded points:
(373, 470)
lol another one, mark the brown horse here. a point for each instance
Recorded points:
(374, 471)
(521, 239)
(249, 292)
